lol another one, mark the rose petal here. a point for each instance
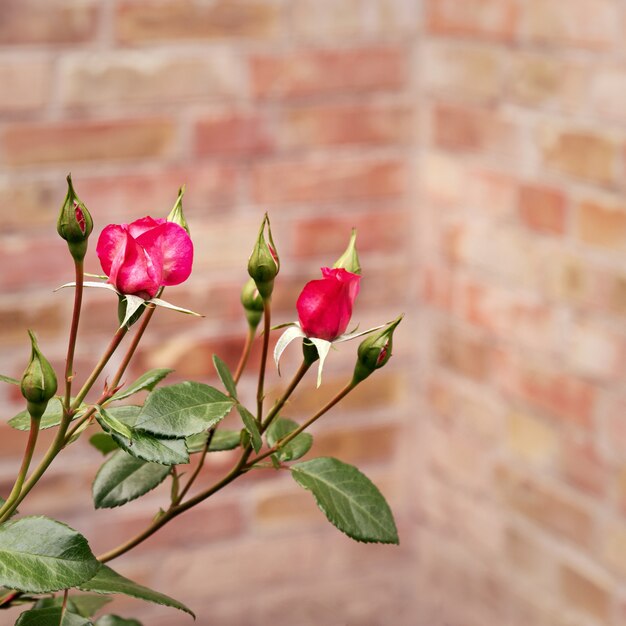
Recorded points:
(110, 245)
(132, 273)
(140, 226)
(177, 254)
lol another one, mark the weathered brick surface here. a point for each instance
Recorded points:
(479, 149)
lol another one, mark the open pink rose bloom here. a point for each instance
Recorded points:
(325, 305)
(142, 257)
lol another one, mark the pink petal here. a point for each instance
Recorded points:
(177, 254)
(140, 226)
(133, 273)
(111, 244)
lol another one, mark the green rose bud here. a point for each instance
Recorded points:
(375, 351)
(39, 382)
(252, 303)
(349, 260)
(74, 223)
(264, 264)
(176, 214)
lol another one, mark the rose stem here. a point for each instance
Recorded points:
(292, 435)
(198, 468)
(267, 314)
(19, 481)
(243, 360)
(71, 344)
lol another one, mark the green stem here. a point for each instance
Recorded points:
(71, 344)
(115, 342)
(8, 507)
(245, 353)
(267, 314)
(198, 469)
(292, 435)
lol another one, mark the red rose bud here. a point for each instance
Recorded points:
(252, 303)
(142, 257)
(39, 382)
(263, 264)
(349, 260)
(325, 306)
(176, 214)
(74, 223)
(375, 351)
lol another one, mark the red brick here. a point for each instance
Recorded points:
(133, 77)
(461, 129)
(330, 125)
(232, 133)
(465, 355)
(608, 92)
(546, 507)
(149, 20)
(31, 144)
(602, 224)
(487, 19)
(209, 187)
(327, 180)
(581, 23)
(585, 593)
(379, 232)
(53, 22)
(25, 84)
(543, 209)
(308, 73)
(580, 153)
(583, 467)
(567, 397)
(363, 445)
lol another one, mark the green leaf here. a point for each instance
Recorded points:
(108, 581)
(144, 445)
(147, 381)
(51, 616)
(123, 478)
(348, 498)
(111, 424)
(222, 440)
(252, 426)
(38, 554)
(8, 379)
(115, 620)
(296, 448)
(225, 376)
(182, 410)
(103, 443)
(51, 416)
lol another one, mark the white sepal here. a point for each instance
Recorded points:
(132, 305)
(91, 283)
(323, 347)
(293, 332)
(168, 305)
(348, 336)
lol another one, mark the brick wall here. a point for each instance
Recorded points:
(522, 232)
(478, 145)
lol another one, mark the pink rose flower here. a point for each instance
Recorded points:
(142, 257)
(325, 306)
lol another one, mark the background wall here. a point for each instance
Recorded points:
(479, 148)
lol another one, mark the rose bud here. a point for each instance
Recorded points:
(74, 223)
(375, 351)
(325, 305)
(39, 382)
(349, 260)
(252, 303)
(263, 264)
(176, 214)
(142, 257)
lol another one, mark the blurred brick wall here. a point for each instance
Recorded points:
(522, 230)
(479, 147)
(303, 109)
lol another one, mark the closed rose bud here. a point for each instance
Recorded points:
(325, 305)
(176, 214)
(349, 260)
(375, 351)
(74, 223)
(264, 264)
(252, 303)
(39, 382)
(141, 257)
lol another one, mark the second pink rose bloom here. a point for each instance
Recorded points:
(141, 257)
(325, 305)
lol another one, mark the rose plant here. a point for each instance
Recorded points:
(47, 566)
